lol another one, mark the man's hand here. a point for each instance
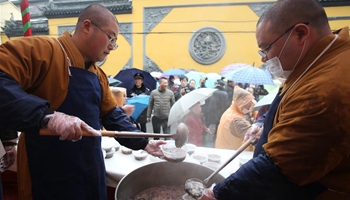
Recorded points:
(69, 127)
(153, 147)
(128, 109)
(9, 158)
(208, 194)
(253, 132)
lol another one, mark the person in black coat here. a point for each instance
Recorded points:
(212, 110)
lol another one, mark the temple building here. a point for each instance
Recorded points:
(157, 35)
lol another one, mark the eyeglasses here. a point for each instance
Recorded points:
(263, 52)
(112, 39)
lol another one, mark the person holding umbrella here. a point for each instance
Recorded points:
(303, 152)
(140, 89)
(195, 125)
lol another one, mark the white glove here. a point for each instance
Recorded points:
(153, 147)
(69, 127)
(253, 132)
(9, 158)
(208, 194)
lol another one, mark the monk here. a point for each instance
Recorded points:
(304, 150)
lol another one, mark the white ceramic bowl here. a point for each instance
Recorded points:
(191, 148)
(172, 153)
(212, 165)
(107, 143)
(116, 146)
(126, 150)
(140, 154)
(214, 158)
(202, 158)
(110, 153)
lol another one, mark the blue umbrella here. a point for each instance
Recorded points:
(212, 78)
(252, 75)
(127, 78)
(174, 72)
(195, 76)
(140, 102)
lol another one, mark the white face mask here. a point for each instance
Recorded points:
(245, 111)
(275, 67)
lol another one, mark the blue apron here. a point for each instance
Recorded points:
(268, 123)
(64, 169)
(311, 189)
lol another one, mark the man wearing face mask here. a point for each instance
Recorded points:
(305, 145)
(233, 124)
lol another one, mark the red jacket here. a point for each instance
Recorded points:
(195, 127)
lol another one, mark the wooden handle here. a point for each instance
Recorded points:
(44, 131)
(124, 134)
(238, 151)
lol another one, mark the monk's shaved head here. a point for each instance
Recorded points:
(97, 14)
(285, 13)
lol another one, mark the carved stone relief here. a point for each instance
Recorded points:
(152, 16)
(62, 29)
(207, 45)
(125, 29)
(259, 8)
(150, 66)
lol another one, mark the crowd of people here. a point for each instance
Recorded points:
(301, 144)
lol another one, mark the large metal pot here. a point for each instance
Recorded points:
(161, 173)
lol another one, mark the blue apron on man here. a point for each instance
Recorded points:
(68, 164)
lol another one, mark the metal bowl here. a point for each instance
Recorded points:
(160, 174)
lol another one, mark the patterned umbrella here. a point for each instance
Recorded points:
(232, 67)
(252, 75)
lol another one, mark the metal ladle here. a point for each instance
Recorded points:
(195, 187)
(180, 137)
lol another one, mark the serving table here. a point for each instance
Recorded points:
(121, 164)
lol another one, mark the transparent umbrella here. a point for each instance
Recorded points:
(182, 106)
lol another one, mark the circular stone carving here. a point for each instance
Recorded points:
(100, 63)
(207, 45)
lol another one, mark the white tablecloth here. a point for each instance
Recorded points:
(120, 164)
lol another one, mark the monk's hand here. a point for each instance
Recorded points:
(253, 133)
(9, 158)
(208, 194)
(153, 147)
(69, 127)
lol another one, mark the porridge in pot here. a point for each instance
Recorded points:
(163, 192)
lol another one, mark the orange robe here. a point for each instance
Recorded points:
(310, 138)
(40, 66)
